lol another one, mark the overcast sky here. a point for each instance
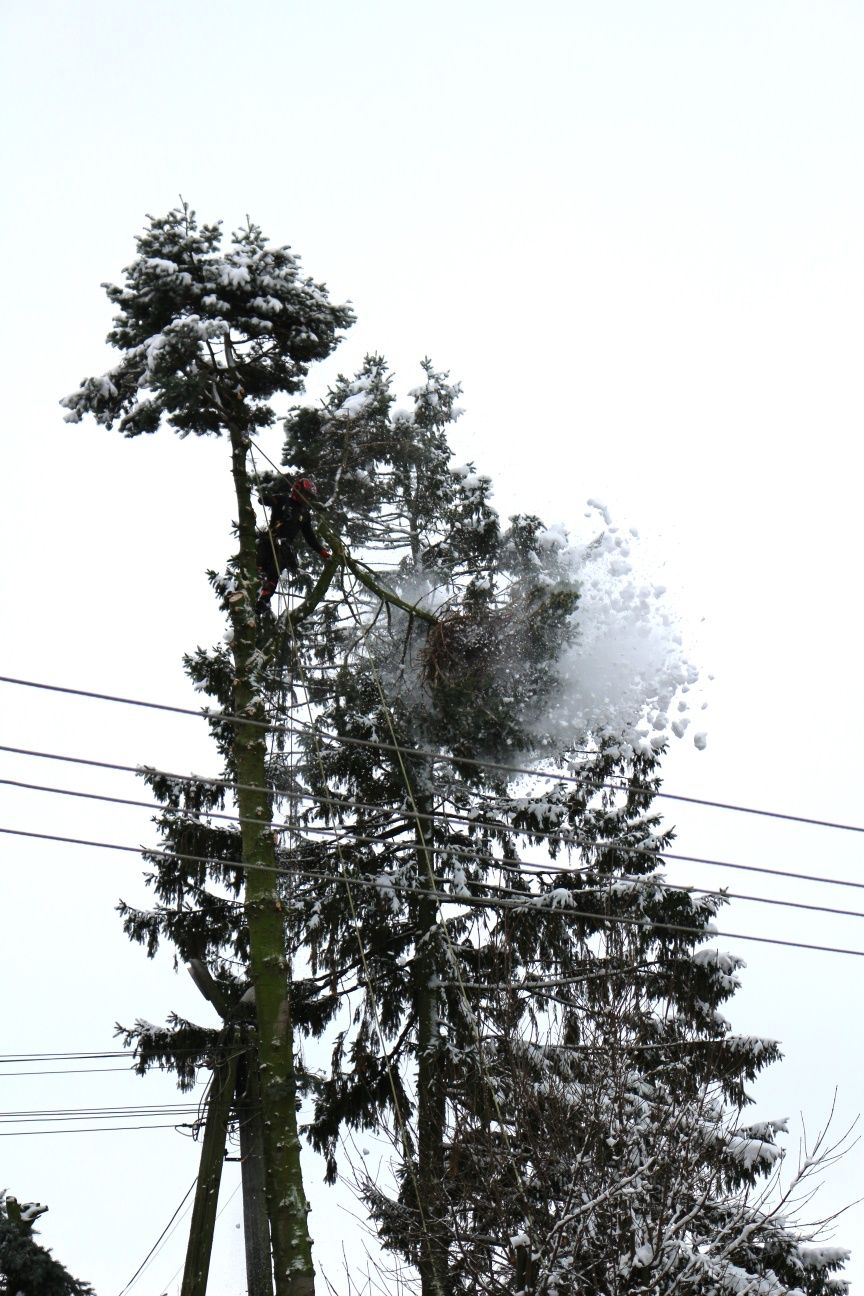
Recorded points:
(633, 231)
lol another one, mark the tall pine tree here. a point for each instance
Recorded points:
(208, 338)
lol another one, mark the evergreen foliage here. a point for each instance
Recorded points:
(26, 1268)
(452, 986)
(182, 296)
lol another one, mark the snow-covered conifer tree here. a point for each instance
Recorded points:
(462, 947)
(26, 1268)
(208, 338)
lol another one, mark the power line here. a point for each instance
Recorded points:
(563, 837)
(96, 1129)
(421, 753)
(143, 1263)
(467, 901)
(113, 1109)
(462, 852)
(522, 898)
(73, 1057)
(5, 1075)
(95, 1115)
(57, 1057)
(571, 778)
(127, 701)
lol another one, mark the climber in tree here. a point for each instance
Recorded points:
(289, 517)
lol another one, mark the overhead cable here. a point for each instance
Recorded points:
(96, 1129)
(466, 901)
(561, 837)
(143, 1263)
(424, 754)
(525, 867)
(7, 1075)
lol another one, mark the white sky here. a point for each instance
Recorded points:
(633, 230)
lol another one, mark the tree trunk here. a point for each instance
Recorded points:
(256, 1229)
(286, 1201)
(431, 1100)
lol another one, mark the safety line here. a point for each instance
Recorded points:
(219, 1216)
(399, 1118)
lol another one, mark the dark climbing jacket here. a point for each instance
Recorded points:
(290, 517)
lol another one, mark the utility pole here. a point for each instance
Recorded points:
(247, 1105)
(200, 1245)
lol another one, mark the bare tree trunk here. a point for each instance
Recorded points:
(434, 1249)
(287, 1207)
(256, 1228)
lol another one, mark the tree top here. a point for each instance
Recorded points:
(209, 335)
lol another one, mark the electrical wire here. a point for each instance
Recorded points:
(96, 1129)
(424, 754)
(526, 868)
(74, 1057)
(6, 1075)
(526, 902)
(140, 1268)
(98, 1113)
(563, 837)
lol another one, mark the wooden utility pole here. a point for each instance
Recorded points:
(247, 1106)
(209, 1176)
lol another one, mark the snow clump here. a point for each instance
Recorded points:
(626, 669)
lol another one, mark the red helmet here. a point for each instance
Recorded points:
(303, 489)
